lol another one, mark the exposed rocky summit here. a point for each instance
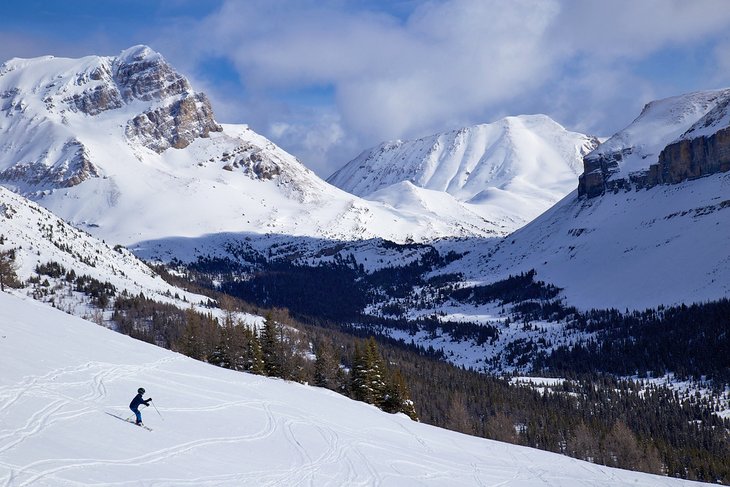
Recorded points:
(141, 74)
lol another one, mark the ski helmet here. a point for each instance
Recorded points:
(141, 390)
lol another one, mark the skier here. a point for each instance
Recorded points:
(134, 405)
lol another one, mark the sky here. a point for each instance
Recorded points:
(327, 79)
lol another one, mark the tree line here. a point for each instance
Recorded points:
(593, 416)
(274, 348)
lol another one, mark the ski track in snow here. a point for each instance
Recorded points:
(218, 427)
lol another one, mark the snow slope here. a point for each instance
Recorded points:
(39, 237)
(219, 427)
(510, 170)
(618, 242)
(637, 249)
(125, 148)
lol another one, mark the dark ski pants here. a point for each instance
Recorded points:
(138, 414)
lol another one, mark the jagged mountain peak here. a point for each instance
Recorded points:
(142, 73)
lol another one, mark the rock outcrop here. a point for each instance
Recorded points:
(661, 133)
(693, 158)
(143, 74)
(597, 169)
(175, 125)
(73, 167)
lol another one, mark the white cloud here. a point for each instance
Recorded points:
(445, 65)
(634, 29)
(721, 56)
(449, 63)
(317, 139)
(411, 68)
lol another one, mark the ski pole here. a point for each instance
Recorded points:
(158, 411)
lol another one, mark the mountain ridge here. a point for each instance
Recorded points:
(99, 139)
(530, 159)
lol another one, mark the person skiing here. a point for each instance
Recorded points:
(136, 402)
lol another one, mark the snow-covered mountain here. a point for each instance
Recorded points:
(510, 170)
(647, 152)
(649, 224)
(125, 148)
(64, 379)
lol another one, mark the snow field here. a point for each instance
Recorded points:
(219, 427)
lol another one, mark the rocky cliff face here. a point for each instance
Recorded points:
(597, 169)
(71, 168)
(689, 159)
(173, 125)
(672, 140)
(142, 74)
(155, 104)
(137, 73)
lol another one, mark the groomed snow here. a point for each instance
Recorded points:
(60, 375)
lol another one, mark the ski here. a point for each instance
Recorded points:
(128, 421)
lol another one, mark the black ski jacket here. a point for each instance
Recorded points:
(134, 405)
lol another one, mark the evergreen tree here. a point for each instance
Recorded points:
(327, 371)
(271, 348)
(397, 397)
(358, 377)
(8, 267)
(253, 353)
(368, 373)
(191, 341)
(225, 351)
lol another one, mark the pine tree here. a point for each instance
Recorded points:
(271, 348)
(225, 351)
(254, 355)
(368, 373)
(191, 341)
(8, 267)
(376, 374)
(327, 371)
(397, 397)
(358, 377)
